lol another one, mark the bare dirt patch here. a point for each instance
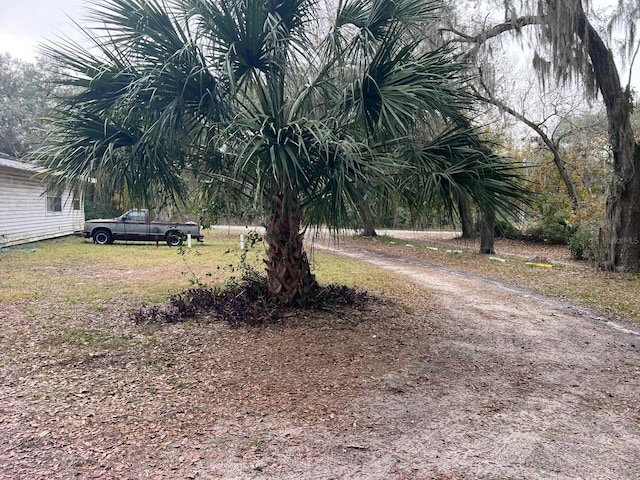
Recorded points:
(461, 379)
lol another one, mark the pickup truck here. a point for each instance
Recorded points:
(135, 225)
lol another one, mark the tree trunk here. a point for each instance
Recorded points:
(623, 221)
(369, 230)
(289, 277)
(466, 217)
(487, 230)
(368, 227)
(623, 205)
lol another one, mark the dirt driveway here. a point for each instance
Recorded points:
(469, 380)
(514, 386)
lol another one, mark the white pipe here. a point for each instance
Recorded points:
(189, 240)
(241, 242)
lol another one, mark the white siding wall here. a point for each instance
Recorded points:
(23, 210)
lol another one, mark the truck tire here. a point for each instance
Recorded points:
(173, 239)
(102, 237)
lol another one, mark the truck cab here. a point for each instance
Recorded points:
(135, 225)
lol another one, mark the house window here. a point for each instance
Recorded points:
(76, 204)
(54, 204)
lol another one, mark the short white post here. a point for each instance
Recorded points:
(241, 242)
(189, 240)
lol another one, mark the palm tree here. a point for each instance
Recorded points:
(247, 92)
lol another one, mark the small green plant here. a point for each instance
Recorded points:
(253, 238)
(184, 254)
(245, 266)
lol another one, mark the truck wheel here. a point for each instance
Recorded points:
(174, 239)
(102, 237)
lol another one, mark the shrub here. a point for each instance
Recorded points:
(586, 243)
(552, 229)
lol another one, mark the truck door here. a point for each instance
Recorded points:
(133, 226)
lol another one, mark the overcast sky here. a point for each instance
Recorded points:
(26, 23)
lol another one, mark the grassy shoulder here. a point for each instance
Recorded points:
(614, 294)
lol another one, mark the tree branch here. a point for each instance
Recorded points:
(479, 39)
(553, 148)
(633, 60)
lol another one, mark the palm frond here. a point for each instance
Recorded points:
(361, 25)
(453, 164)
(401, 88)
(123, 109)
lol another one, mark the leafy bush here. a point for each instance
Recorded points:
(552, 229)
(586, 243)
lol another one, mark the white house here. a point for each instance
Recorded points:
(27, 212)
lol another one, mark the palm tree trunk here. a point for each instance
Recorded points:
(289, 277)
(487, 230)
(366, 216)
(466, 217)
